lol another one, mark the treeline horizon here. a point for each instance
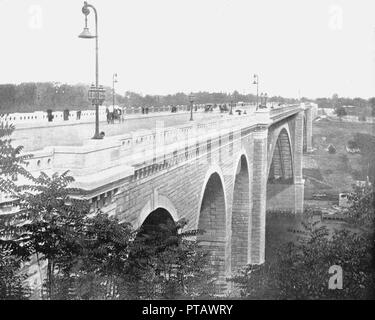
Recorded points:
(40, 96)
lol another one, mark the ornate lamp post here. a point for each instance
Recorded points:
(191, 99)
(96, 93)
(231, 107)
(114, 80)
(265, 99)
(256, 81)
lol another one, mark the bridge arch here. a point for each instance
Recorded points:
(280, 175)
(156, 231)
(155, 218)
(212, 219)
(241, 216)
(214, 168)
(157, 201)
(280, 157)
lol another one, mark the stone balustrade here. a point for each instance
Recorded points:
(129, 148)
(40, 117)
(142, 145)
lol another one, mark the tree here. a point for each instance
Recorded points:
(362, 204)
(12, 255)
(300, 270)
(55, 224)
(7, 97)
(95, 257)
(25, 96)
(323, 102)
(100, 269)
(12, 162)
(371, 102)
(11, 281)
(340, 111)
(331, 149)
(352, 144)
(169, 265)
(85, 254)
(115, 264)
(366, 144)
(359, 102)
(335, 100)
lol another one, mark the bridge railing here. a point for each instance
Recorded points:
(171, 135)
(38, 118)
(181, 137)
(280, 110)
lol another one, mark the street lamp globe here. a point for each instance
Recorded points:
(86, 34)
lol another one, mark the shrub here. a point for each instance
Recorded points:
(331, 149)
(300, 271)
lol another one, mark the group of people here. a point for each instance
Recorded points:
(114, 113)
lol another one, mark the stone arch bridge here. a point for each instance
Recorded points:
(216, 174)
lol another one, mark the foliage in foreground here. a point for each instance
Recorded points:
(11, 282)
(12, 164)
(168, 263)
(362, 207)
(301, 270)
(93, 256)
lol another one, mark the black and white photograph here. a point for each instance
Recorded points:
(180, 150)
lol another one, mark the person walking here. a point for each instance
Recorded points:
(111, 114)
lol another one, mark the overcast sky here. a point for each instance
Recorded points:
(315, 47)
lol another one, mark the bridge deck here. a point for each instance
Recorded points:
(146, 150)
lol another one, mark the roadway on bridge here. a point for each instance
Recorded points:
(73, 135)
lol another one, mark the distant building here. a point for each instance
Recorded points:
(343, 200)
(326, 111)
(352, 150)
